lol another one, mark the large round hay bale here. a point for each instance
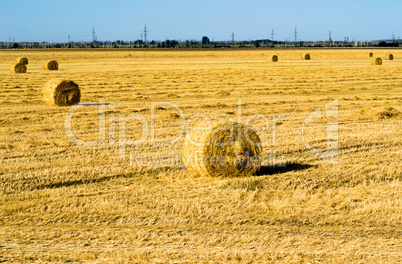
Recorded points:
(306, 56)
(376, 61)
(370, 54)
(389, 57)
(61, 93)
(22, 60)
(18, 68)
(274, 58)
(51, 65)
(223, 149)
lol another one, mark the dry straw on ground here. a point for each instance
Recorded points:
(370, 54)
(376, 61)
(61, 93)
(22, 60)
(389, 57)
(51, 65)
(18, 68)
(306, 56)
(274, 58)
(222, 149)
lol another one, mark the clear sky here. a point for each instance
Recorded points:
(45, 20)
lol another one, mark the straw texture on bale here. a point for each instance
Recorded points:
(376, 61)
(370, 54)
(222, 149)
(51, 65)
(389, 57)
(18, 68)
(306, 57)
(275, 58)
(22, 60)
(61, 93)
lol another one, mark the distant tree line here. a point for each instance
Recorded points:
(204, 43)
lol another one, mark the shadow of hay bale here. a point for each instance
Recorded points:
(282, 168)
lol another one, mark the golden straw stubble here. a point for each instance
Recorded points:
(51, 65)
(224, 149)
(61, 93)
(18, 68)
(376, 61)
(22, 60)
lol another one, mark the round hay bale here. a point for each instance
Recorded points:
(389, 57)
(61, 93)
(51, 65)
(370, 54)
(18, 68)
(376, 61)
(224, 149)
(306, 56)
(274, 58)
(22, 60)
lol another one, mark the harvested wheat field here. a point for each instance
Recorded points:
(103, 181)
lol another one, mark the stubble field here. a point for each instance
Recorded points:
(111, 202)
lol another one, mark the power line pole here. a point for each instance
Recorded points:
(233, 35)
(93, 34)
(272, 35)
(330, 39)
(295, 34)
(145, 33)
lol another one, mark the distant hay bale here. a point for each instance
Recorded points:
(274, 58)
(22, 60)
(18, 68)
(389, 57)
(51, 65)
(376, 61)
(370, 54)
(306, 56)
(223, 149)
(61, 93)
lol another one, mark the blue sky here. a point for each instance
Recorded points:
(45, 20)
